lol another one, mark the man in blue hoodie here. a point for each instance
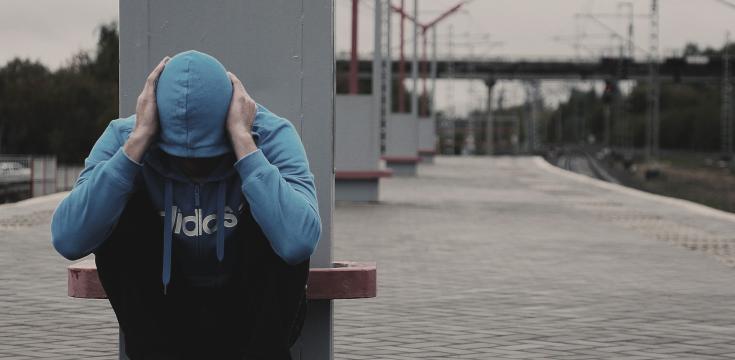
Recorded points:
(214, 193)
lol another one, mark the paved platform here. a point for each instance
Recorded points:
(478, 258)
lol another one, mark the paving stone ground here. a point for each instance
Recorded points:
(478, 258)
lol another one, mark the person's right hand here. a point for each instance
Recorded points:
(146, 117)
(240, 118)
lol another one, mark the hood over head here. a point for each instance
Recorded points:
(193, 96)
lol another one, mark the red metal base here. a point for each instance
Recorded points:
(362, 175)
(345, 280)
(402, 159)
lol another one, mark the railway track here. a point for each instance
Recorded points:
(583, 163)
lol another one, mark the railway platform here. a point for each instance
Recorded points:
(479, 258)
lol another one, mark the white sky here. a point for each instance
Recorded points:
(52, 30)
(527, 27)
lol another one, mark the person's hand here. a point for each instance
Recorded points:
(146, 117)
(240, 119)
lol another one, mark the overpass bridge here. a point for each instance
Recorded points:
(677, 69)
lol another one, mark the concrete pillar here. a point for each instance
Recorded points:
(402, 141)
(401, 144)
(283, 52)
(357, 149)
(427, 139)
(427, 126)
(357, 142)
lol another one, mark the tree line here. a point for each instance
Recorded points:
(60, 112)
(689, 113)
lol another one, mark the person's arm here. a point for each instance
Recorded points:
(276, 180)
(280, 189)
(87, 216)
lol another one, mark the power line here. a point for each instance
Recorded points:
(613, 32)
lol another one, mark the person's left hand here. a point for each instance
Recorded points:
(240, 118)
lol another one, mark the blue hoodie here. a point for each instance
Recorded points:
(274, 182)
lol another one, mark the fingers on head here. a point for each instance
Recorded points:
(161, 64)
(153, 76)
(235, 81)
(237, 84)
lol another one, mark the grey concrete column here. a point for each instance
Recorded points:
(427, 139)
(283, 52)
(357, 144)
(490, 127)
(401, 144)
(401, 139)
(357, 135)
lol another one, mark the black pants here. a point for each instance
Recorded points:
(256, 313)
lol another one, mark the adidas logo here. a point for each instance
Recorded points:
(197, 224)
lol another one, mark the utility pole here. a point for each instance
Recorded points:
(533, 98)
(379, 79)
(425, 27)
(473, 120)
(536, 112)
(402, 62)
(616, 127)
(627, 123)
(726, 114)
(631, 28)
(528, 121)
(388, 73)
(353, 83)
(490, 127)
(450, 73)
(414, 59)
(579, 116)
(415, 62)
(433, 74)
(424, 107)
(615, 132)
(654, 90)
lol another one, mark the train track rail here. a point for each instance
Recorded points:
(583, 163)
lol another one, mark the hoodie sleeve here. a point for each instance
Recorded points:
(86, 217)
(279, 187)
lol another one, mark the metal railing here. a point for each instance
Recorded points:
(26, 176)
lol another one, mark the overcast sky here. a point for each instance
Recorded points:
(528, 27)
(52, 30)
